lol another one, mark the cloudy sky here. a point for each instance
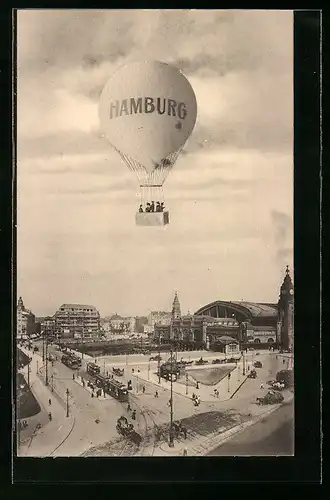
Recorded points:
(230, 195)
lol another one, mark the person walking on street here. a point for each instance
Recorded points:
(143, 389)
(156, 394)
(49, 402)
(185, 452)
(261, 385)
(128, 407)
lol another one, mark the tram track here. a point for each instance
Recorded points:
(144, 413)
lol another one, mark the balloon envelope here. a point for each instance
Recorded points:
(147, 111)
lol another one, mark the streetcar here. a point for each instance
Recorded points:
(93, 369)
(112, 387)
(71, 361)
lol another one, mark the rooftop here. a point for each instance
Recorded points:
(77, 306)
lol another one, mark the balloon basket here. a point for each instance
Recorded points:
(152, 218)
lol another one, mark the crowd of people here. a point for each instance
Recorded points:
(151, 207)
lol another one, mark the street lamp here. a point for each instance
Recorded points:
(52, 378)
(46, 363)
(229, 375)
(171, 441)
(159, 358)
(148, 369)
(243, 357)
(67, 402)
(187, 383)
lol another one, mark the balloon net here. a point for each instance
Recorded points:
(159, 173)
(151, 183)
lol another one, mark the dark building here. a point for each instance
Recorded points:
(286, 313)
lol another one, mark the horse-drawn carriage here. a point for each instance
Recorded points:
(124, 428)
(271, 398)
(252, 374)
(119, 372)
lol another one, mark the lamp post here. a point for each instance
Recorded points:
(228, 377)
(159, 359)
(243, 357)
(52, 379)
(67, 402)
(187, 383)
(43, 346)
(46, 363)
(148, 369)
(37, 367)
(171, 441)
(137, 383)
(28, 375)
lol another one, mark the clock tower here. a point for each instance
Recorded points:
(285, 313)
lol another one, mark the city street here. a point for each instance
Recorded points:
(152, 412)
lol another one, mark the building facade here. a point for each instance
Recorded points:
(263, 324)
(25, 320)
(160, 317)
(117, 324)
(285, 325)
(48, 326)
(77, 321)
(195, 331)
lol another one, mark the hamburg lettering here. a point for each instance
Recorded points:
(147, 105)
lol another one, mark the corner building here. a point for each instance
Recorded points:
(77, 321)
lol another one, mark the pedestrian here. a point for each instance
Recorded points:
(185, 452)
(132, 370)
(73, 377)
(184, 430)
(133, 414)
(217, 393)
(261, 385)
(283, 361)
(92, 394)
(128, 407)
(49, 402)
(197, 385)
(156, 394)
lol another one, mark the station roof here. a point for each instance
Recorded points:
(250, 309)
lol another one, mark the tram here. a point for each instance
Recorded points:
(112, 387)
(93, 369)
(71, 361)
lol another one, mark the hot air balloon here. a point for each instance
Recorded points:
(147, 111)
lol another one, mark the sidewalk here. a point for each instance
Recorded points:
(44, 441)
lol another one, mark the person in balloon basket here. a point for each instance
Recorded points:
(152, 206)
(158, 207)
(148, 207)
(141, 209)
